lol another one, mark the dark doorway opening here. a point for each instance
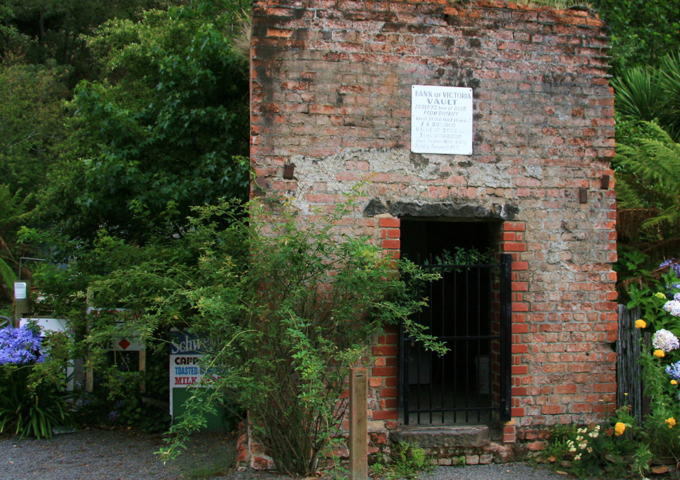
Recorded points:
(464, 386)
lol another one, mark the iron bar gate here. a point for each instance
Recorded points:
(470, 311)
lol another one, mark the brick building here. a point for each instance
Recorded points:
(331, 107)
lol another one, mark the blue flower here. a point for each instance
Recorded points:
(673, 263)
(673, 370)
(19, 346)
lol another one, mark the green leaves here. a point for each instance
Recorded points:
(166, 129)
(30, 406)
(642, 31)
(290, 302)
(651, 95)
(31, 117)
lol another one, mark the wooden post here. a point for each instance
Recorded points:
(142, 368)
(358, 423)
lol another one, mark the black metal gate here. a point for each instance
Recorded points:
(470, 311)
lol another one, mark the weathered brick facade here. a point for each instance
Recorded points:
(331, 86)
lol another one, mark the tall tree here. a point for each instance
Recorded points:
(31, 124)
(166, 129)
(42, 30)
(642, 31)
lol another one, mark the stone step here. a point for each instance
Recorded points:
(443, 436)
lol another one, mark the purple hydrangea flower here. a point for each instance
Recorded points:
(673, 370)
(673, 263)
(19, 346)
(665, 340)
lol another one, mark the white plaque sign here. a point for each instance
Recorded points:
(20, 290)
(441, 120)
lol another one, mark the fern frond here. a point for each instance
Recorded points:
(650, 177)
(7, 274)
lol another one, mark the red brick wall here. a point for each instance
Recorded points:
(331, 85)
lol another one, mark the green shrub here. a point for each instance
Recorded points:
(590, 450)
(32, 398)
(407, 460)
(29, 408)
(291, 305)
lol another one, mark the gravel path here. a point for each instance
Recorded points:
(110, 454)
(128, 455)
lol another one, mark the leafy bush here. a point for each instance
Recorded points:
(658, 295)
(32, 401)
(117, 400)
(592, 450)
(407, 460)
(291, 306)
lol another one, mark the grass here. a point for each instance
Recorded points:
(219, 467)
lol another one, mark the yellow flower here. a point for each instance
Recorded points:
(670, 422)
(660, 295)
(659, 353)
(619, 428)
(674, 382)
(640, 324)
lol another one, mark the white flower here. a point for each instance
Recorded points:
(572, 449)
(672, 307)
(593, 434)
(665, 340)
(577, 457)
(590, 450)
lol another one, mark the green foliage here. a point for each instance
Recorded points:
(219, 467)
(288, 303)
(649, 290)
(591, 450)
(407, 460)
(639, 94)
(645, 94)
(43, 31)
(117, 399)
(642, 31)
(297, 303)
(166, 129)
(663, 440)
(33, 400)
(647, 132)
(32, 119)
(648, 191)
(15, 210)
(28, 408)
(657, 438)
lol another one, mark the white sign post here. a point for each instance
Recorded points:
(441, 120)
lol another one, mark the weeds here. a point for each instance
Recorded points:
(407, 461)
